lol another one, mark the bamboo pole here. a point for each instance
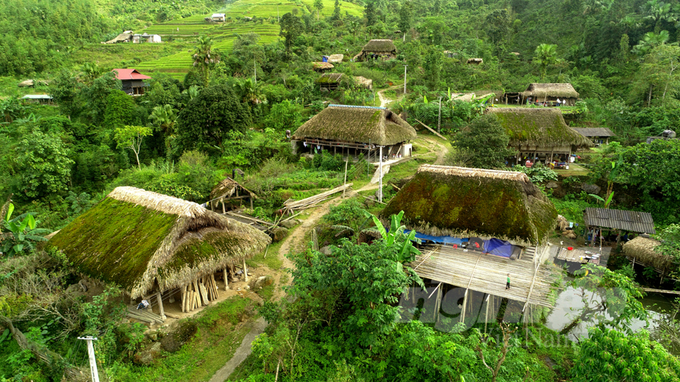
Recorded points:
(245, 270)
(160, 305)
(226, 279)
(486, 317)
(184, 297)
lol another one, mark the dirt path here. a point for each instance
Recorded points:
(441, 150)
(242, 352)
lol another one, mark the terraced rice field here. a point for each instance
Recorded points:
(223, 34)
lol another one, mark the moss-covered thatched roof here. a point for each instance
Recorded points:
(137, 238)
(329, 78)
(644, 251)
(469, 202)
(322, 65)
(544, 127)
(362, 124)
(594, 131)
(379, 46)
(227, 188)
(538, 91)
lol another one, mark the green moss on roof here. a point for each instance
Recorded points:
(379, 46)
(114, 240)
(357, 124)
(541, 127)
(462, 202)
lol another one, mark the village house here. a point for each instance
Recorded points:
(476, 226)
(142, 38)
(599, 135)
(133, 81)
(218, 17)
(543, 93)
(42, 99)
(158, 248)
(354, 130)
(539, 134)
(329, 81)
(377, 48)
(322, 66)
(126, 36)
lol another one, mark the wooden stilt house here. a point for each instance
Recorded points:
(157, 247)
(354, 130)
(539, 133)
(377, 48)
(473, 223)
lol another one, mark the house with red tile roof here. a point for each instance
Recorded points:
(133, 81)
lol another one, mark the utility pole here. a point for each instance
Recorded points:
(405, 66)
(380, 189)
(90, 353)
(439, 122)
(255, 69)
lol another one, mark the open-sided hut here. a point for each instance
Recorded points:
(355, 130)
(473, 206)
(153, 244)
(599, 135)
(329, 81)
(230, 193)
(550, 93)
(606, 222)
(539, 133)
(377, 48)
(642, 250)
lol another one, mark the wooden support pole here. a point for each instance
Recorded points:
(462, 312)
(184, 297)
(160, 305)
(226, 279)
(486, 317)
(245, 270)
(438, 303)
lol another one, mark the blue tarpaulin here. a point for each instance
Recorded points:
(438, 239)
(498, 247)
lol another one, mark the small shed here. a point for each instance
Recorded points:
(126, 36)
(377, 48)
(475, 61)
(355, 130)
(157, 246)
(322, 66)
(550, 93)
(642, 250)
(218, 17)
(364, 82)
(336, 58)
(539, 133)
(230, 193)
(599, 135)
(42, 99)
(620, 220)
(329, 81)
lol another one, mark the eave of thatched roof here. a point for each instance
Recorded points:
(329, 78)
(227, 188)
(594, 131)
(468, 202)
(379, 46)
(560, 90)
(543, 127)
(137, 238)
(643, 250)
(362, 124)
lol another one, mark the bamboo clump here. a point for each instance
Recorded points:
(290, 206)
(200, 292)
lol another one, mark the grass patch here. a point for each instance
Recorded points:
(267, 291)
(214, 344)
(572, 210)
(272, 261)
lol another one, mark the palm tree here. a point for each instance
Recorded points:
(545, 55)
(204, 57)
(650, 41)
(163, 117)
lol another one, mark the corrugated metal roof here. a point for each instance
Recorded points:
(594, 131)
(36, 96)
(130, 74)
(632, 221)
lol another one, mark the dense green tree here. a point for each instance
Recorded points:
(120, 110)
(545, 56)
(483, 143)
(405, 16)
(318, 5)
(433, 68)
(64, 89)
(131, 137)
(291, 28)
(609, 355)
(205, 58)
(660, 70)
(284, 116)
(94, 97)
(370, 13)
(208, 118)
(498, 28)
(336, 11)
(43, 165)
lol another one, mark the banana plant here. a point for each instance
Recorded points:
(407, 250)
(23, 233)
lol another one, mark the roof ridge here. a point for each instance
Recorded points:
(159, 202)
(474, 172)
(358, 106)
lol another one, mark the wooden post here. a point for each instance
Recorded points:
(226, 279)
(245, 270)
(160, 305)
(223, 210)
(184, 296)
(462, 312)
(251, 202)
(344, 183)
(486, 317)
(438, 303)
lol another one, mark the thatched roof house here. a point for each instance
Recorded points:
(551, 92)
(322, 66)
(364, 82)
(144, 241)
(596, 134)
(469, 202)
(329, 81)
(229, 190)
(642, 249)
(475, 61)
(336, 58)
(539, 132)
(378, 48)
(357, 128)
